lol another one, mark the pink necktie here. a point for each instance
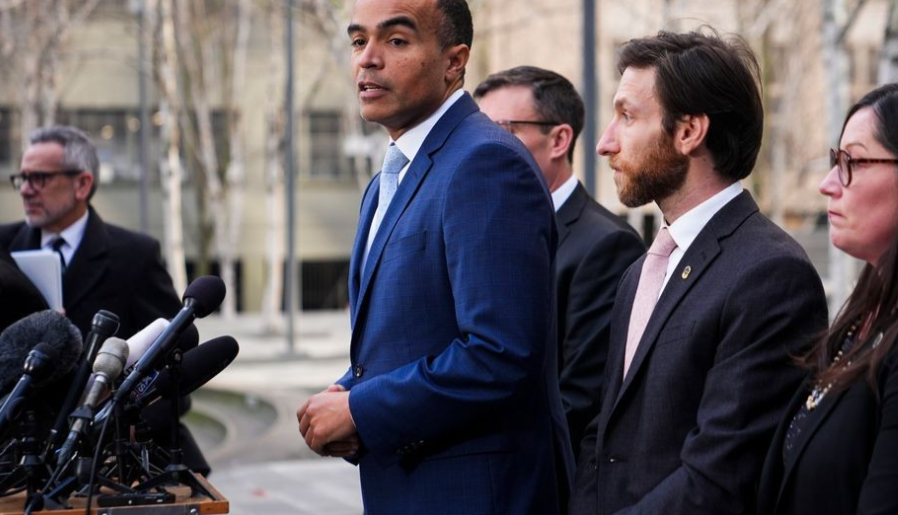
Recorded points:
(653, 269)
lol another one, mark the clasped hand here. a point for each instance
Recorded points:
(326, 424)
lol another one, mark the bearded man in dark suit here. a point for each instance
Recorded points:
(699, 368)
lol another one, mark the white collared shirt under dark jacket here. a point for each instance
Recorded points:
(686, 431)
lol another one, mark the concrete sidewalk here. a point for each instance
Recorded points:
(261, 464)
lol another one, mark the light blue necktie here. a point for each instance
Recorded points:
(394, 161)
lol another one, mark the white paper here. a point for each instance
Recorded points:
(44, 269)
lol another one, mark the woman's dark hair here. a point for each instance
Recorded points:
(698, 73)
(874, 301)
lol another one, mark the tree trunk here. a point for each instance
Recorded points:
(235, 174)
(170, 162)
(274, 178)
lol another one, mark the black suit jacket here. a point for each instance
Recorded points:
(113, 269)
(120, 271)
(18, 297)
(595, 247)
(686, 433)
(846, 460)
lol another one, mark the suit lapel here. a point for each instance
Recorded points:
(623, 306)
(807, 434)
(26, 239)
(366, 217)
(88, 263)
(699, 257)
(415, 175)
(570, 212)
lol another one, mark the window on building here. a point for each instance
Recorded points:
(325, 145)
(116, 134)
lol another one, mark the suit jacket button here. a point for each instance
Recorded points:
(358, 371)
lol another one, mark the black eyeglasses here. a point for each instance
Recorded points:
(36, 179)
(509, 124)
(845, 163)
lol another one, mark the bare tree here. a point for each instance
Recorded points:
(214, 49)
(34, 38)
(165, 54)
(888, 63)
(275, 254)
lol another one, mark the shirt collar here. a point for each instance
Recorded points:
(686, 228)
(72, 234)
(410, 142)
(564, 192)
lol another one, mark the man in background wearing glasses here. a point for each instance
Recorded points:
(595, 246)
(104, 266)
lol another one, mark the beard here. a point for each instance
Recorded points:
(656, 175)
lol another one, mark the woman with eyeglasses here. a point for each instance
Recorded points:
(836, 449)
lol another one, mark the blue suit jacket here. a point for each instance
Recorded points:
(453, 383)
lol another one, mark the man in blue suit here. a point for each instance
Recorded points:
(451, 403)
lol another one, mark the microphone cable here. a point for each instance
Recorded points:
(93, 466)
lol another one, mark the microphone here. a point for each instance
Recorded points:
(188, 340)
(199, 366)
(107, 367)
(202, 296)
(140, 342)
(103, 325)
(187, 343)
(38, 368)
(47, 326)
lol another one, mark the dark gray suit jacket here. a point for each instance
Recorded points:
(687, 432)
(595, 247)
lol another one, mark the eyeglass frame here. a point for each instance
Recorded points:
(835, 159)
(38, 175)
(507, 124)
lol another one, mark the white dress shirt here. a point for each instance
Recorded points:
(564, 192)
(72, 235)
(686, 228)
(410, 143)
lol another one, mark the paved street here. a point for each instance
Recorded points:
(245, 419)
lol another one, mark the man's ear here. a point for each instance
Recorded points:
(83, 184)
(691, 131)
(458, 56)
(562, 138)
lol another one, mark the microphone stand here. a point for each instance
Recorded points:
(31, 467)
(176, 473)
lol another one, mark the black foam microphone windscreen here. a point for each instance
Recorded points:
(207, 293)
(49, 327)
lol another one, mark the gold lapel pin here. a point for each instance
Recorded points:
(686, 272)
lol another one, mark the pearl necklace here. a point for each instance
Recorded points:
(820, 391)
